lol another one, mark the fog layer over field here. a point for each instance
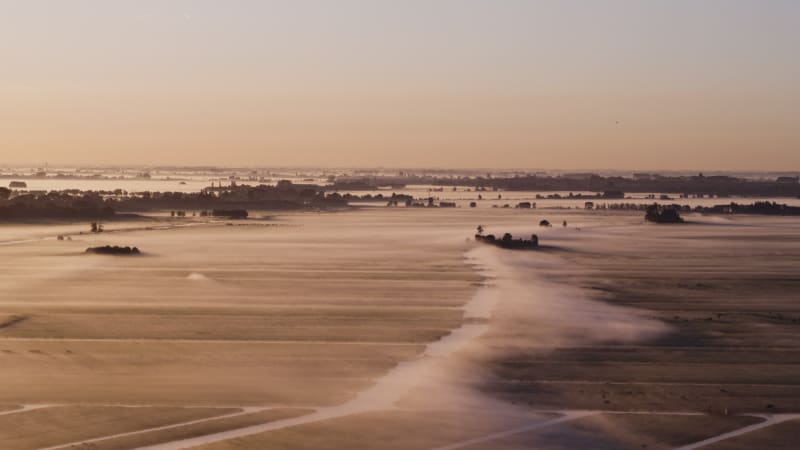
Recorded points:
(379, 318)
(515, 307)
(534, 311)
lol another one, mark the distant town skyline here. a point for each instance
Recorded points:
(639, 86)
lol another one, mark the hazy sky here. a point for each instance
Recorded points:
(497, 83)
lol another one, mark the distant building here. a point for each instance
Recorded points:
(788, 179)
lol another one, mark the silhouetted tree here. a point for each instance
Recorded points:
(666, 215)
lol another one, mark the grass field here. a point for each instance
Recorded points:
(622, 431)
(146, 438)
(61, 424)
(388, 430)
(305, 311)
(783, 436)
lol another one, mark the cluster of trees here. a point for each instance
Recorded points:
(114, 250)
(286, 197)
(230, 213)
(655, 212)
(508, 241)
(55, 205)
(610, 186)
(658, 214)
(764, 208)
(73, 204)
(693, 185)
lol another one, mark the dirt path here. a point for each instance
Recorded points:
(25, 408)
(770, 420)
(245, 410)
(570, 415)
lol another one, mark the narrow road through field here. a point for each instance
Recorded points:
(572, 415)
(245, 410)
(771, 420)
(25, 408)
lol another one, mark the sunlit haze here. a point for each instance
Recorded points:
(511, 84)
